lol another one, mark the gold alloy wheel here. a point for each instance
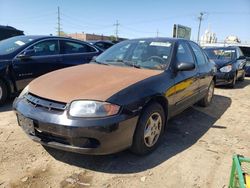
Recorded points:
(1, 93)
(210, 92)
(152, 129)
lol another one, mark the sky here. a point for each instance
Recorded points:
(137, 18)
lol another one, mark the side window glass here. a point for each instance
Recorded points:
(198, 53)
(107, 45)
(100, 45)
(49, 47)
(239, 52)
(184, 54)
(72, 47)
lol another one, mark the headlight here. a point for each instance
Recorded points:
(227, 68)
(25, 90)
(92, 109)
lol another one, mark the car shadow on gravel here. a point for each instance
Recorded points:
(7, 106)
(183, 131)
(238, 85)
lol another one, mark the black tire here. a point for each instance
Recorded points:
(207, 99)
(3, 92)
(232, 85)
(139, 145)
(242, 78)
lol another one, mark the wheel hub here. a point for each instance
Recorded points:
(1, 92)
(210, 92)
(152, 129)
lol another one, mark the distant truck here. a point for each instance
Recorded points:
(8, 31)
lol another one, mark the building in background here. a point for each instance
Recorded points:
(87, 36)
(208, 37)
(8, 31)
(232, 39)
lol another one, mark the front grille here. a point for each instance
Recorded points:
(77, 142)
(45, 103)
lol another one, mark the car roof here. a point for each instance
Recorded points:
(161, 39)
(223, 47)
(95, 41)
(39, 37)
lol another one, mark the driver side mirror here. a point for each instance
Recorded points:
(242, 57)
(93, 58)
(26, 54)
(185, 66)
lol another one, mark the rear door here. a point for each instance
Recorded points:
(204, 71)
(43, 57)
(75, 53)
(186, 82)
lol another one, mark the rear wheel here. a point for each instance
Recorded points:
(149, 129)
(206, 101)
(3, 92)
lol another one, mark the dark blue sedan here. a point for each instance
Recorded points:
(230, 63)
(24, 58)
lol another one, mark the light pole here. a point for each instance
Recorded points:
(200, 18)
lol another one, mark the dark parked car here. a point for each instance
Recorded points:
(230, 63)
(24, 58)
(122, 100)
(246, 52)
(102, 44)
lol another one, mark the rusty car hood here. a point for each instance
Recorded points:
(89, 81)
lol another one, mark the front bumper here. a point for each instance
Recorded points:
(87, 136)
(224, 78)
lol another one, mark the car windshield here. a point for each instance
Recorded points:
(222, 54)
(149, 54)
(8, 46)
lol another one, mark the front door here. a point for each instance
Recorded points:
(43, 57)
(186, 82)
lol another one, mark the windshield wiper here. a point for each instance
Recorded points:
(128, 63)
(98, 62)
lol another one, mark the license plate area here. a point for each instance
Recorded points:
(26, 123)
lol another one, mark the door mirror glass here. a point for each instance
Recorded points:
(93, 58)
(185, 66)
(242, 57)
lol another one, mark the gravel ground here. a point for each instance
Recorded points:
(196, 152)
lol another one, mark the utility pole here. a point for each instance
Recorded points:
(157, 33)
(200, 18)
(117, 24)
(58, 21)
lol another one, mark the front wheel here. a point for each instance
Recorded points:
(149, 130)
(206, 101)
(232, 84)
(3, 92)
(242, 78)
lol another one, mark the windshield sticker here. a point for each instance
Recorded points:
(164, 44)
(165, 57)
(20, 43)
(141, 41)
